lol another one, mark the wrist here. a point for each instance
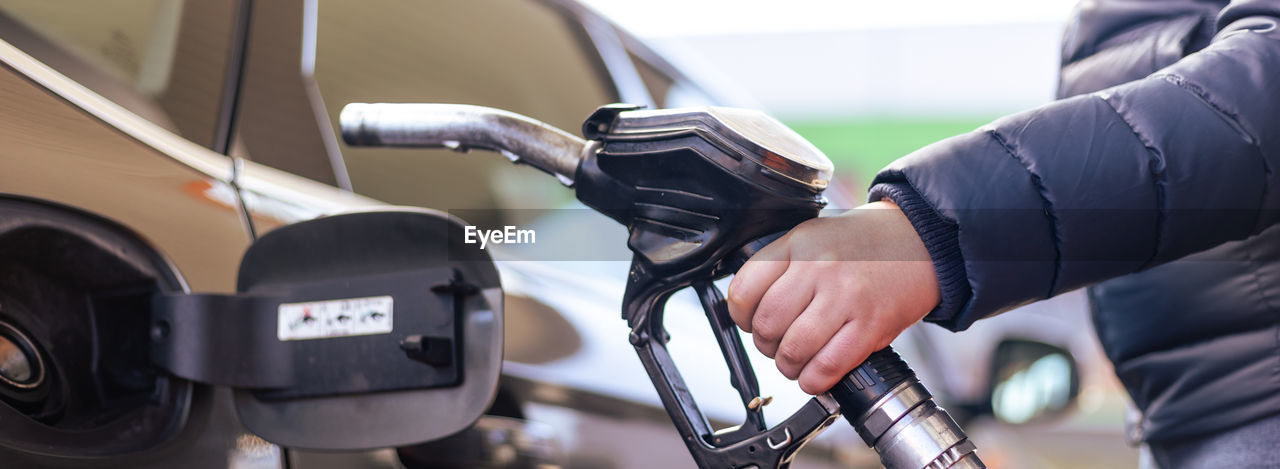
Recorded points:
(940, 238)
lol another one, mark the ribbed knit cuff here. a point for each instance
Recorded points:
(941, 238)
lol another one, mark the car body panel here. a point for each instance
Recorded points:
(69, 146)
(66, 144)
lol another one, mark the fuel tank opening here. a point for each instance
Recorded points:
(76, 378)
(21, 366)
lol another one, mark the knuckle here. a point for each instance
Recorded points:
(827, 366)
(851, 285)
(764, 331)
(789, 370)
(883, 342)
(765, 347)
(799, 237)
(741, 318)
(811, 386)
(828, 259)
(791, 354)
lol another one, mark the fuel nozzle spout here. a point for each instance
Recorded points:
(894, 414)
(462, 127)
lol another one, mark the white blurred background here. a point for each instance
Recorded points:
(810, 58)
(847, 74)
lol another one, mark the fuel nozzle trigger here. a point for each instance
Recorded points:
(750, 444)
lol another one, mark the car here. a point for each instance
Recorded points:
(147, 145)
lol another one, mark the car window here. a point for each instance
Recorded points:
(165, 60)
(523, 56)
(666, 90)
(517, 55)
(309, 58)
(657, 82)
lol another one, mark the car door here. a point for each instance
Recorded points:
(114, 188)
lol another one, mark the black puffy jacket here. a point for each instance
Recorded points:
(1156, 175)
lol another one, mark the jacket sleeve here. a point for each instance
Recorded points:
(1106, 183)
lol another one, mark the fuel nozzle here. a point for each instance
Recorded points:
(700, 190)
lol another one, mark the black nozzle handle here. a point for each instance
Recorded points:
(735, 261)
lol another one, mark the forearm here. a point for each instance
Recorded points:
(1101, 185)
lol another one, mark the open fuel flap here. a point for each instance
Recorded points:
(353, 331)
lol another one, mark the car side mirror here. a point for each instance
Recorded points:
(354, 331)
(1032, 381)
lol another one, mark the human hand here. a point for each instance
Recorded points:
(824, 296)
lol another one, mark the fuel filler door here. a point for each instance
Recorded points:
(353, 331)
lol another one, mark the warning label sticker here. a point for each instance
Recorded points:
(334, 318)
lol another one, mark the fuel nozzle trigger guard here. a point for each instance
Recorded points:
(750, 444)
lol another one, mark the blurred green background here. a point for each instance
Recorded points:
(860, 146)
